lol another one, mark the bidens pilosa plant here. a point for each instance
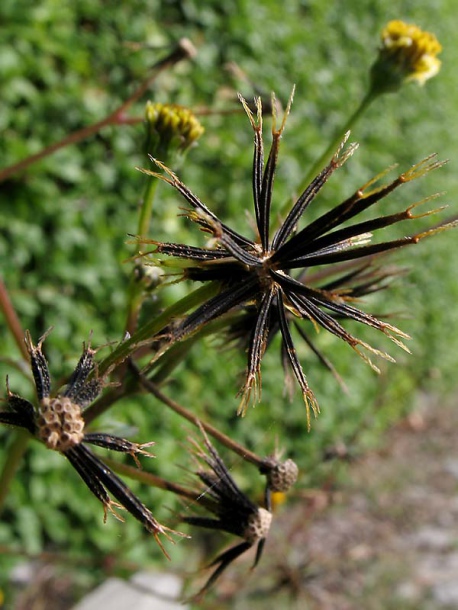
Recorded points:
(286, 275)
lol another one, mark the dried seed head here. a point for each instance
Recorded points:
(281, 476)
(60, 424)
(258, 526)
(267, 277)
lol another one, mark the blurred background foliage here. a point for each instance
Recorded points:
(65, 222)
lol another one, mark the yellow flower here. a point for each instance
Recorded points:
(277, 498)
(407, 53)
(170, 129)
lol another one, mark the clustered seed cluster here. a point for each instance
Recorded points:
(281, 476)
(60, 424)
(258, 526)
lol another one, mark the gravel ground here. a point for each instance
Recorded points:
(383, 536)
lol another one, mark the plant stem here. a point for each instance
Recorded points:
(136, 292)
(334, 144)
(148, 331)
(246, 454)
(151, 479)
(166, 364)
(14, 456)
(12, 320)
(105, 402)
(183, 50)
(154, 481)
(147, 206)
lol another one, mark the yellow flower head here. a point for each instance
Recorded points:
(407, 53)
(277, 498)
(170, 129)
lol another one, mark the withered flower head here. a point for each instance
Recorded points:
(269, 274)
(234, 512)
(59, 423)
(407, 53)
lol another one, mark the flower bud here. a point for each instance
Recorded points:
(171, 130)
(407, 53)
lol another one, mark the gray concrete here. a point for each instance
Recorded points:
(144, 591)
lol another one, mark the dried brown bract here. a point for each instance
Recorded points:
(233, 511)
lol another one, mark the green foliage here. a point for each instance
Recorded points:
(64, 223)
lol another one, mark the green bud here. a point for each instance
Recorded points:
(171, 131)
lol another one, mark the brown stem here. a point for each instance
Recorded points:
(183, 50)
(105, 402)
(12, 320)
(13, 458)
(154, 481)
(246, 454)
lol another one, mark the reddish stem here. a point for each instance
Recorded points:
(183, 50)
(245, 453)
(12, 320)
